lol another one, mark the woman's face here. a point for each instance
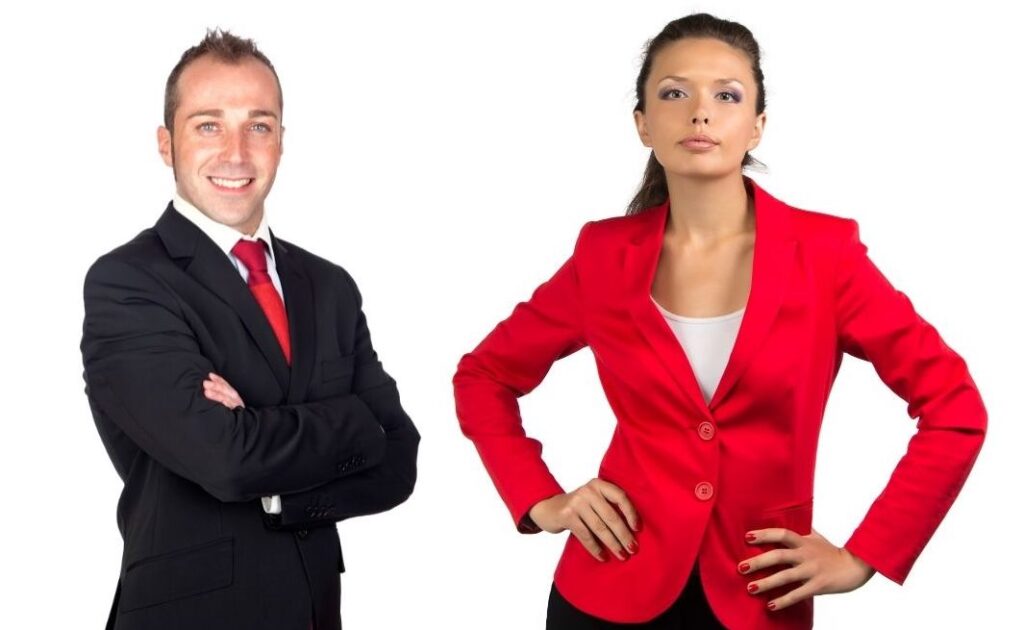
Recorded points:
(700, 86)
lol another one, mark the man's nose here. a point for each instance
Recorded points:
(236, 147)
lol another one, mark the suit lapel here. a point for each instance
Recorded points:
(298, 297)
(774, 249)
(209, 266)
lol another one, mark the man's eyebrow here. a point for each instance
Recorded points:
(219, 113)
(216, 113)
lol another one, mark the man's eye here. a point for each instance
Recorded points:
(261, 127)
(207, 127)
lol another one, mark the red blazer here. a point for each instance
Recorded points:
(701, 475)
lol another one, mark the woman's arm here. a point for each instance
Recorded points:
(508, 363)
(878, 323)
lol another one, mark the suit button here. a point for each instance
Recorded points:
(706, 430)
(303, 533)
(704, 491)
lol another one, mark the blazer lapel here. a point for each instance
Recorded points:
(774, 255)
(773, 260)
(298, 297)
(640, 263)
(208, 265)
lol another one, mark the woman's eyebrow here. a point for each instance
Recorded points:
(686, 80)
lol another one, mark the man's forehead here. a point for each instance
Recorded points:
(212, 85)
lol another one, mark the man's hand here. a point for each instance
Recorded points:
(219, 390)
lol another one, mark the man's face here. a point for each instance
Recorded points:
(226, 143)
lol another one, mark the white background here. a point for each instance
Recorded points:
(447, 154)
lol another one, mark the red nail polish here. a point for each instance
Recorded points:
(771, 605)
(744, 567)
(752, 588)
(633, 547)
(750, 537)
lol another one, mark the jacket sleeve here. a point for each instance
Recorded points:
(878, 323)
(379, 487)
(144, 370)
(507, 364)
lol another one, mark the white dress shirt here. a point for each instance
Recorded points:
(707, 343)
(225, 238)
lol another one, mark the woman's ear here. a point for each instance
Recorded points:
(759, 123)
(641, 127)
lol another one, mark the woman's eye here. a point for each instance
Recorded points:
(732, 96)
(673, 93)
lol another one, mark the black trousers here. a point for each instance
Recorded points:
(689, 612)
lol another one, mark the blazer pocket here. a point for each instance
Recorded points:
(338, 368)
(178, 574)
(794, 516)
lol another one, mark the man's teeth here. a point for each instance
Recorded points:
(230, 183)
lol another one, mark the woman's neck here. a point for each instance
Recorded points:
(705, 211)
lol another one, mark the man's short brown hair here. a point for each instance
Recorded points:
(224, 47)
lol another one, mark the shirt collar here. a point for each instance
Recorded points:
(224, 236)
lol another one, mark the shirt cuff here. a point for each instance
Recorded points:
(272, 505)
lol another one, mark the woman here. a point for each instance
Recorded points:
(718, 317)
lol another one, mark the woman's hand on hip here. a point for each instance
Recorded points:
(817, 564)
(594, 514)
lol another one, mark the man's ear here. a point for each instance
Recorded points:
(163, 143)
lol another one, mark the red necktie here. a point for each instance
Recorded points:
(254, 257)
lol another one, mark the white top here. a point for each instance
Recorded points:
(707, 343)
(225, 238)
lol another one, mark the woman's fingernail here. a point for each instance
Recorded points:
(744, 567)
(771, 605)
(752, 588)
(750, 537)
(632, 547)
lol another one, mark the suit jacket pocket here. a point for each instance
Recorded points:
(178, 574)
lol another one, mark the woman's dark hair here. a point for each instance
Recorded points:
(653, 189)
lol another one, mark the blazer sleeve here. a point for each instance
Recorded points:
(878, 323)
(507, 364)
(379, 487)
(144, 370)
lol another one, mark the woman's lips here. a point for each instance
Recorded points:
(697, 144)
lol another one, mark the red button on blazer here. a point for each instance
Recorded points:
(815, 295)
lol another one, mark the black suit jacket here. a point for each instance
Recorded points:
(328, 433)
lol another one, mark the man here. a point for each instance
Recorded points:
(233, 381)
